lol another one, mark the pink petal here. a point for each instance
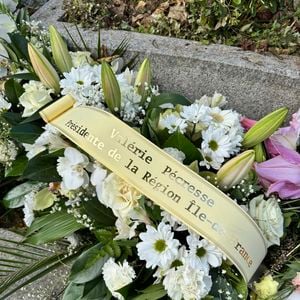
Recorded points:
(285, 190)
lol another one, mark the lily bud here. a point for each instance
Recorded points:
(111, 88)
(143, 78)
(260, 153)
(60, 51)
(264, 128)
(235, 170)
(43, 69)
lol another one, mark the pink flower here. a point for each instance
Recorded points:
(281, 174)
(247, 123)
(295, 123)
(286, 136)
(296, 282)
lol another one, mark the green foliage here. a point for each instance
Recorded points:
(13, 90)
(15, 197)
(26, 133)
(153, 292)
(42, 167)
(179, 141)
(17, 167)
(88, 265)
(51, 227)
(168, 98)
(101, 215)
(92, 290)
(254, 25)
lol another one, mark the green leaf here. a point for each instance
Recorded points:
(93, 290)
(22, 16)
(13, 90)
(96, 289)
(20, 45)
(15, 197)
(44, 199)
(179, 141)
(12, 118)
(165, 98)
(102, 215)
(153, 292)
(26, 133)
(73, 292)
(24, 76)
(10, 51)
(88, 265)
(51, 227)
(42, 168)
(17, 167)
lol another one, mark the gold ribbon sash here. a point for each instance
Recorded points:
(170, 184)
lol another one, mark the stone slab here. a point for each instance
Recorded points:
(254, 84)
(48, 287)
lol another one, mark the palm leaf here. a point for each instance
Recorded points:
(21, 264)
(52, 227)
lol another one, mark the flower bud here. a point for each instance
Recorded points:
(143, 78)
(61, 55)
(111, 88)
(43, 69)
(235, 170)
(260, 153)
(264, 128)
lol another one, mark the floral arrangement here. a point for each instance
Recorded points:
(122, 245)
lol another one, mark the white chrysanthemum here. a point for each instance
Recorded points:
(130, 103)
(97, 177)
(216, 141)
(117, 276)
(84, 84)
(196, 113)
(185, 282)
(172, 122)
(175, 153)
(36, 95)
(178, 261)
(71, 168)
(210, 160)
(224, 118)
(8, 151)
(4, 105)
(122, 198)
(126, 78)
(202, 253)
(236, 136)
(158, 247)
